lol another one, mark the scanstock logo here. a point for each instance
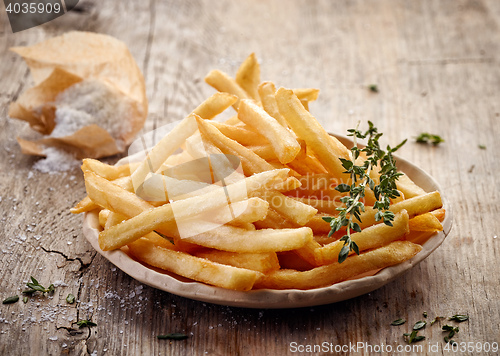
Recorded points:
(25, 14)
(190, 171)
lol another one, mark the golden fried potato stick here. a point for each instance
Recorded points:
(224, 83)
(214, 105)
(292, 209)
(264, 151)
(250, 210)
(260, 262)
(408, 187)
(245, 135)
(327, 149)
(425, 222)
(323, 205)
(250, 162)
(198, 269)
(267, 91)
(107, 171)
(83, 206)
(414, 206)
(284, 144)
(248, 76)
(370, 237)
(306, 94)
(389, 255)
(103, 217)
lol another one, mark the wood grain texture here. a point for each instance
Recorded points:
(437, 68)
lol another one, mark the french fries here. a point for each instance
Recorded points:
(241, 204)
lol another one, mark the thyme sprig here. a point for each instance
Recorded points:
(384, 191)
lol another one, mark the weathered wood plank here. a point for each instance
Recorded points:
(436, 65)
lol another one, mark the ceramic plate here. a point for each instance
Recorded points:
(265, 298)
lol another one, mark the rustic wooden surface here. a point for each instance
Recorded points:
(437, 67)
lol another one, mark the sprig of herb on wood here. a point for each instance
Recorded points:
(34, 287)
(425, 137)
(360, 179)
(172, 336)
(85, 323)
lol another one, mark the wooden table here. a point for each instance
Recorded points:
(436, 65)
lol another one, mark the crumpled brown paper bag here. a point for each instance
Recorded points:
(81, 79)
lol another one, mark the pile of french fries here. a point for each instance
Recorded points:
(256, 221)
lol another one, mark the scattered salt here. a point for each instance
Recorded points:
(92, 102)
(53, 338)
(30, 174)
(56, 161)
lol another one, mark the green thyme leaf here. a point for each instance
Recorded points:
(173, 336)
(419, 325)
(483, 147)
(459, 317)
(11, 300)
(373, 88)
(425, 137)
(25, 299)
(85, 323)
(398, 322)
(424, 314)
(70, 298)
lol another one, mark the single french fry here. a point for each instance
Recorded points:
(248, 76)
(290, 260)
(290, 208)
(260, 262)
(103, 217)
(439, 214)
(408, 187)
(198, 269)
(250, 162)
(160, 241)
(420, 237)
(264, 151)
(214, 105)
(306, 94)
(110, 196)
(327, 148)
(275, 220)
(284, 144)
(308, 252)
(84, 205)
(107, 171)
(114, 219)
(233, 120)
(414, 206)
(224, 83)
(369, 238)
(326, 206)
(266, 94)
(289, 184)
(425, 222)
(318, 225)
(244, 135)
(389, 255)
(242, 212)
